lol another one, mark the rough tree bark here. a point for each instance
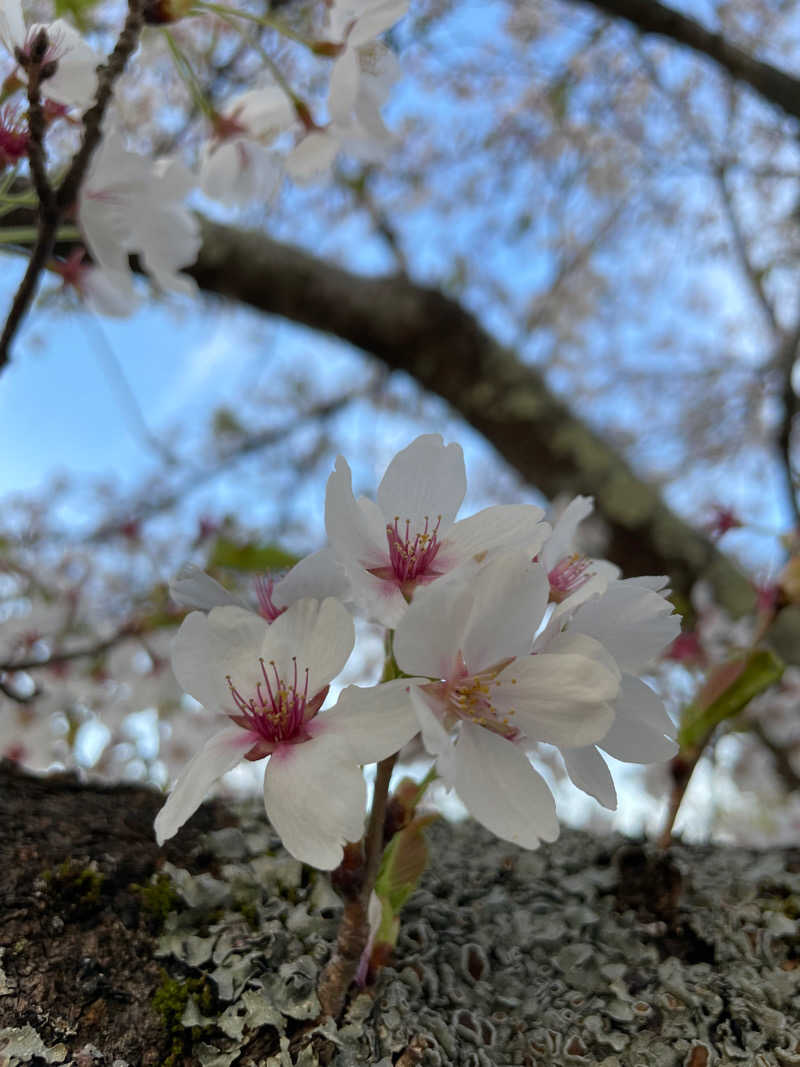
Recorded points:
(592, 951)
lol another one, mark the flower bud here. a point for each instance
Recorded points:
(162, 12)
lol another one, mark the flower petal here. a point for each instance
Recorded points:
(372, 723)
(318, 636)
(642, 731)
(435, 738)
(353, 537)
(426, 480)
(431, 633)
(193, 588)
(509, 600)
(219, 754)
(500, 526)
(344, 85)
(501, 789)
(561, 541)
(563, 698)
(318, 575)
(589, 771)
(12, 25)
(315, 800)
(631, 620)
(208, 648)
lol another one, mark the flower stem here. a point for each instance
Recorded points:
(354, 929)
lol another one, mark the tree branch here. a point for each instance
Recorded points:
(426, 334)
(649, 16)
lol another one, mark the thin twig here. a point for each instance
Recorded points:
(354, 928)
(88, 651)
(783, 363)
(52, 213)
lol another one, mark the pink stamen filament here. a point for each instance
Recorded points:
(266, 605)
(468, 697)
(411, 556)
(278, 711)
(568, 575)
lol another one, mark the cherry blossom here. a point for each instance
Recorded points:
(318, 576)
(573, 578)
(74, 79)
(271, 682)
(238, 165)
(489, 700)
(128, 204)
(634, 622)
(409, 537)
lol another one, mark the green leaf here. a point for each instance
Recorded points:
(249, 557)
(77, 10)
(402, 866)
(728, 691)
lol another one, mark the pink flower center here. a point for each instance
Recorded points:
(468, 697)
(569, 574)
(13, 138)
(411, 554)
(266, 605)
(278, 710)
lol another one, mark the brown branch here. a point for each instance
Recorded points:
(784, 362)
(88, 651)
(53, 209)
(353, 933)
(649, 16)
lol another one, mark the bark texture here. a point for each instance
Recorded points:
(592, 951)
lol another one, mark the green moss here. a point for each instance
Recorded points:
(249, 913)
(158, 898)
(169, 1002)
(78, 889)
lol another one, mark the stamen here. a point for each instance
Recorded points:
(267, 608)
(568, 575)
(278, 711)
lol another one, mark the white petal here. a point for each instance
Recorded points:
(219, 754)
(589, 772)
(435, 738)
(193, 588)
(377, 21)
(642, 731)
(374, 722)
(501, 790)
(344, 85)
(208, 648)
(318, 635)
(315, 800)
(500, 526)
(602, 574)
(560, 698)
(264, 112)
(561, 541)
(109, 293)
(432, 631)
(426, 480)
(12, 24)
(633, 622)
(75, 79)
(318, 575)
(352, 536)
(510, 597)
(313, 156)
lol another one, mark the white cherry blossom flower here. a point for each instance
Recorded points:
(75, 78)
(128, 204)
(318, 576)
(634, 622)
(238, 165)
(409, 538)
(271, 681)
(489, 700)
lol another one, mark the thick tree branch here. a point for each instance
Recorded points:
(649, 16)
(424, 333)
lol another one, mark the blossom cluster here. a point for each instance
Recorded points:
(130, 204)
(500, 639)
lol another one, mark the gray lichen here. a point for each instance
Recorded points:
(508, 957)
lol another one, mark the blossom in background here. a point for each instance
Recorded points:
(238, 166)
(488, 700)
(271, 681)
(409, 537)
(318, 576)
(362, 77)
(128, 204)
(75, 77)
